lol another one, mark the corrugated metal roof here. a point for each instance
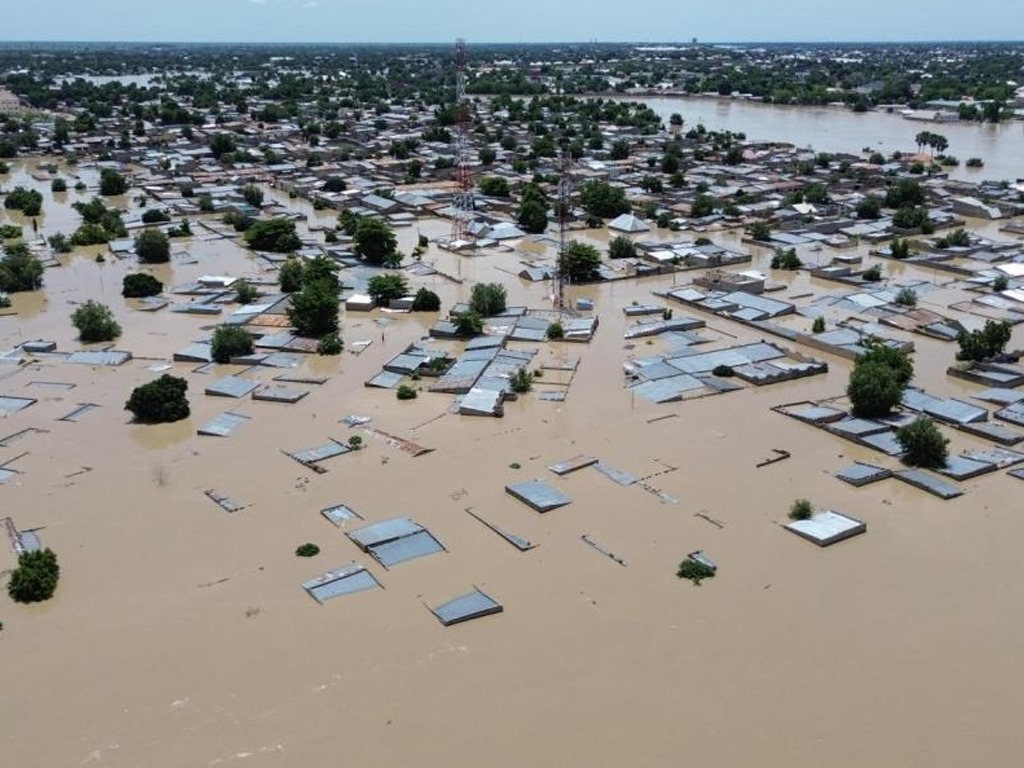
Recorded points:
(473, 605)
(926, 482)
(97, 357)
(15, 404)
(320, 453)
(231, 386)
(538, 495)
(667, 389)
(340, 513)
(340, 581)
(223, 425)
(398, 551)
(386, 530)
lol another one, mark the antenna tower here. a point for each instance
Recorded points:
(463, 202)
(564, 192)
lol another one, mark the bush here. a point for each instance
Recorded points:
(246, 292)
(975, 162)
(155, 216)
(956, 239)
(869, 208)
(1001, 283)
(907, 297)
(58, 185)
(60, 243)
(140, 285)
(384, 289)
(801, 510)
(355, 442)
(426, 301)
(153, 247)
(488, 299)
(621, 248)
(95, 322)
(307, 550)
(35, 579)
(723, 370)
(872, 274)
(521, 382)
(10, 232)
(253, 195)
(761, 231)
(160, 401)
(330, 344)
(290, 275)
(230, 341)
(405, 392)
(818, 326)
(786, 259)
(988, 342)
(900, 249)
(923, 444)
(555, 331)
(694, 571)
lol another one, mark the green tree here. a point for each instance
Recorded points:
(58, 185)
(880, 376)
(487, 155)
(532, 217)
(494, 186)
(35, 579)
(273, 235)
(314, 310)
(984, 343)
(230, 341)
(385, 288)
(95, 322)
(760, 230)
(621, 248)
(905, 192)
(619, 150)
(599, 198)
(155, 216)
(20, 270)
(581, 262)
(112, 183)
(786, 258)
(426, 301)
(159, 401)
(153, 247)
(488, 299)
(139, 285)
(28, 201)
(702, 205)
(221, 144)
(375, 241)
(468, 324)
(923, 444)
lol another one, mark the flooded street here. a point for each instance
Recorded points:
(180, 635)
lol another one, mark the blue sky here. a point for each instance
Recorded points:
(511, 20)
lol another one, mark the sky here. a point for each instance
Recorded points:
(512, 21)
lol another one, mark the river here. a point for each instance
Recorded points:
(833, 129)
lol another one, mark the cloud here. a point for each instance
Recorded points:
(257, 2)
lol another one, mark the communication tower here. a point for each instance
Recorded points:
(463, 202)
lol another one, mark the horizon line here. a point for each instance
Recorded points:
(591, 41)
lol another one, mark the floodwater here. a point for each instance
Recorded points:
(179, 635)
(836, 129)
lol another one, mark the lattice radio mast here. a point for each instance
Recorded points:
(463, 203)
(564, 194)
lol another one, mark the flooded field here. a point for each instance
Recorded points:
(180, 636)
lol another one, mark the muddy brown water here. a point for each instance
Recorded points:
(179, 635)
